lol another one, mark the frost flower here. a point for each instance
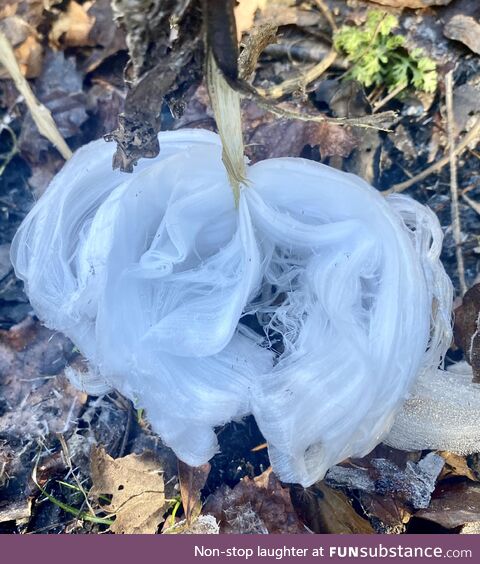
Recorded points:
(313, 306)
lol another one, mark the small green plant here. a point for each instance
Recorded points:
(380, 58)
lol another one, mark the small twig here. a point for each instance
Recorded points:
(40, 114)
(126, 433)
(472, 203)
(258, 39)
(7, 157)
(455, 210)
(389, 96)
(297, 83)
(373, 121)
(471, 136)
(322, 6)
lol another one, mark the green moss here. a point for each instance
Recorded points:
(380, 58)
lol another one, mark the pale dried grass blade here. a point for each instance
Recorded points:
(226, 106)
(41, 115)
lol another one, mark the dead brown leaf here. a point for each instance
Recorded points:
(72, 28)
(192, 481)
(107, 38)
(245, 12)
(261, 505)
(454, 505)
(25, 42)
(136, 485)
(285, 12)
(456, 465)
(389, 514)
(467, 329)
(325, 510)
(287, 138)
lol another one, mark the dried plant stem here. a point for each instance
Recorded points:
(68, 461)
(455, 211)
(226, 106)
(471, 136)
(472, 203)
(260, 37)
(374, 121)
(389, 96)
(297, 83)
(327, 13)
(41, 115)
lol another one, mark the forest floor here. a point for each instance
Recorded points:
(71, 463)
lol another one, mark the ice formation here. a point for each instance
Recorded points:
(441, 413)
(313, 306)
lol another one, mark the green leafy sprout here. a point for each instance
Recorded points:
(380, 57)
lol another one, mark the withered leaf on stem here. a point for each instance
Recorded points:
(164, 62)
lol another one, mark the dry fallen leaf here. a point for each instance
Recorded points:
(454, 505)
(285, 12)
(388, 514)
(245, 12)
(72, 28)
(26, 45)
(192, 479)
(287, 138)
(456, 465)
(136, 485)
(261, 505)
(325, 510)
